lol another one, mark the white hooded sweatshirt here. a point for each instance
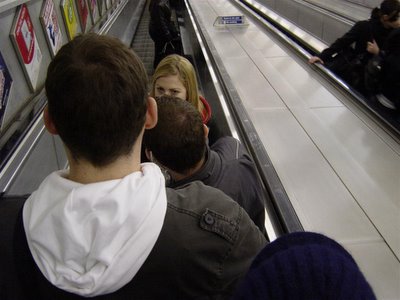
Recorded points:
(91, 239)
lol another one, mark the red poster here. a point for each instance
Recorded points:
(25, 35)
(26, 45)
(83, 12)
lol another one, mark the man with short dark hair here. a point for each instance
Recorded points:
(179, 144)
(108, 226)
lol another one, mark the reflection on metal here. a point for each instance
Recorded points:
(21, 154)
(261, 18)
(227, 113)
(288, 221)
(269, 227)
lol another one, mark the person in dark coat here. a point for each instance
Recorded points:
(368, 36)
(390, 72)
(179, 144)
(162, 30)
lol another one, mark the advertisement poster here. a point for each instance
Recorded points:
(83, 12)
(26, 45)
(93, 10)
(5, 86)
(51, 27)
(71, 23)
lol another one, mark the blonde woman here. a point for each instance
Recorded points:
(175, 76)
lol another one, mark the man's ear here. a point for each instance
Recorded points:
(206, 130)
(48, 122)
(151, 114)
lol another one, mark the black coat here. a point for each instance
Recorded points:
(360, 34)
(391, 77)
(206, 245)
(161, 28)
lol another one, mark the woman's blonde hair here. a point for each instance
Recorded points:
(177, 65)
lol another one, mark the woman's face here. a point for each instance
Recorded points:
(170, 85)
(391, 21)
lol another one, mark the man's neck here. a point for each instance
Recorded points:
(84, 172)
(176, 176)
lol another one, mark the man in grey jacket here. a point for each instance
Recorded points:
(179, 144)
(107, 227)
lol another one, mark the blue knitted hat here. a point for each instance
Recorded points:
(304, 265)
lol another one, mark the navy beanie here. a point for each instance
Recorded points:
(304, 265)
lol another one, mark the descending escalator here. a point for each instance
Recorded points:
(142, 44)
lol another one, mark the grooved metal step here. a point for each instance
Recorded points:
(142, 44)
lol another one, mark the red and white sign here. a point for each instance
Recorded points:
(26, 45)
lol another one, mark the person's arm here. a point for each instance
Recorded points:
(345, 41)
(248, 244)
(253, 199)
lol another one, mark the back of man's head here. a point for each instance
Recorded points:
(178, 141)
(97, 92)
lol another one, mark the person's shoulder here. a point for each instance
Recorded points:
(203, 207)
(10, 206)
(364, 24)
(10, 209)
(197, 197)
(225, 141)
(230, 149)
(202, 211)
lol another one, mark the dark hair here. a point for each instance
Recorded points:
(387, 7)
(97, 97)
(153, 3)
(304, 265)
(177, 141)
(392, 44)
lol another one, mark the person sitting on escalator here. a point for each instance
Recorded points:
(390, 74)
(178, 143)
(368, 36)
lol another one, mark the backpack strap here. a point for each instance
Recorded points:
(24, 262)
(15, 251)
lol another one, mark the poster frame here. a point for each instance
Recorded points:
(51, 26)
(6, 83)
(30, 56)
(69, 17)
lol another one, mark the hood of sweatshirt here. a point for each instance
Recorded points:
(91, 239)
